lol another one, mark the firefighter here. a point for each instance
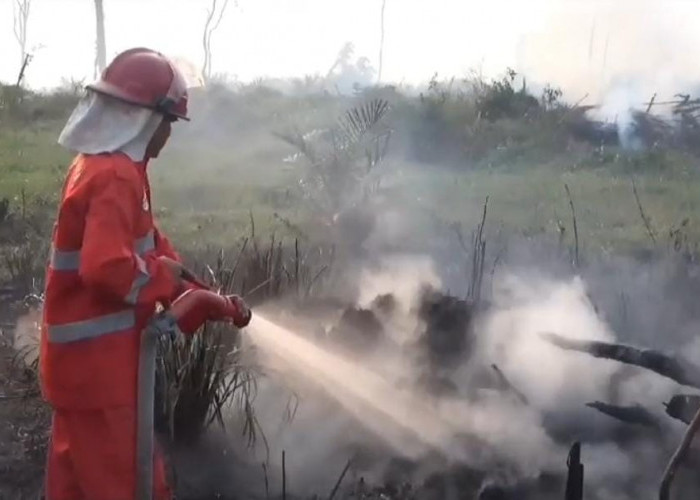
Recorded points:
(109, 266)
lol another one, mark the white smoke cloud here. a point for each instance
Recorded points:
(523, 309)
(413, 424)
(25, 339)
(593, 47)
(400, 275)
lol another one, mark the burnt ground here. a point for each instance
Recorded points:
(211, 469)
(24, 429)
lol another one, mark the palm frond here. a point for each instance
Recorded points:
(359, 120)
(297, 139)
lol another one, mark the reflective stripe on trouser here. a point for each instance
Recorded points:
(60, 260)
(91, 328)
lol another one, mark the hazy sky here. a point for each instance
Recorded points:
(582, 45)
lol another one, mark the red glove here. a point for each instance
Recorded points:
(238, 311)
(194, 307)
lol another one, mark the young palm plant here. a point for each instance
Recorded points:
(342, 159)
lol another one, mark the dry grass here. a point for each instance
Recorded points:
(200, 377)
(343, 158)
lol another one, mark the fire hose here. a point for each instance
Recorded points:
(186, 314)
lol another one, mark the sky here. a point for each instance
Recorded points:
(583, 46)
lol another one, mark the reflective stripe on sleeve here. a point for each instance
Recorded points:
(64, 261)
(145, 244)
(91, 328)
(139, 282)
(70, 261)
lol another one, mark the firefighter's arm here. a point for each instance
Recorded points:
(166, 249)
(108, 259)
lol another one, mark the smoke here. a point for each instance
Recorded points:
(510, 337)
(25, 339)
(619, 102)
(594, 47)
(368, 407)
(400, 275)
(617, 56)
(373, 404)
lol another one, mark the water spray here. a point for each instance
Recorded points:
(404, 421)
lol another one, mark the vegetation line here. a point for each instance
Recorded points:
(573, 216)
(340, 480)
(645, 218)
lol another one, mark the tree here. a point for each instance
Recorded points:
(343, 58)
(343, 159)
(348, 73)
(209, 27)
(21, 19)
(381, 44)
(100, 44)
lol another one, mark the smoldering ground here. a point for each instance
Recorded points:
(405, 410)
(405, 414)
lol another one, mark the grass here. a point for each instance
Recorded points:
(200, 376)
(229, 162)
(202, 195)
(535, 201)
(31, 160)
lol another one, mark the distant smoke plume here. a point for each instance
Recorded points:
(618, 53)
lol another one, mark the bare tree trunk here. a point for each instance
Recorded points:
(21, 19)
(678, 457)
(209, 27)
(25, 63)
(574, 479)
(381, 45)
(101, 46)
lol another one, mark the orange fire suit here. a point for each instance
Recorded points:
(103, 282)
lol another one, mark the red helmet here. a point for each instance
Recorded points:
(146, 78)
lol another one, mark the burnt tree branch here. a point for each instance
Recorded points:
(628, 414)
(683, 407)
(506, 385)
(667, 366)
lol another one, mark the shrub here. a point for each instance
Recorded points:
(199, 377)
